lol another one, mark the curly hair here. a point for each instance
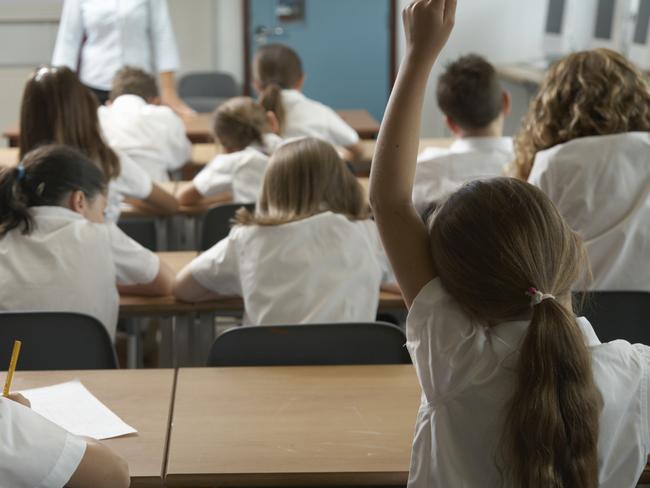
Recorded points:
(588, 93)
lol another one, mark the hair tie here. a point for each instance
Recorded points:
(20, 172)
(537, 297)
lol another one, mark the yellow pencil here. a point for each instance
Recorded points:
(12, 367)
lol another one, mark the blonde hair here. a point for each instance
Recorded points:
(589, 93)
(304, 178)
(239, 122)
(491, 241)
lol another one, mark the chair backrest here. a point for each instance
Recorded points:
(208, 84)
(617, 314)
(141, 230)
(217, 222)
(56, 341)
(310, 344)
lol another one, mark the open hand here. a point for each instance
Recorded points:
(428, 24)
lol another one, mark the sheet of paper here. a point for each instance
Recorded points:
(71, 406)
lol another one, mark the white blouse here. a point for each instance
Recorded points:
(68, 264)
(467, 376)
(440, 172)
(117, 33)
(309, 118)
(325, 268)
(34, 452)
(153, 136)
(132, 182)
(601, 186)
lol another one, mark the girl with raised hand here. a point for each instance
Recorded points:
(517, 391)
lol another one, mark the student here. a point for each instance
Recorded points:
(278, 78)
(55, 252)
(475, 107)
(135, 124)
(57, 108)
(245, 130)
(517, 391)
(587, 138)
(309, 254)
(36, 452)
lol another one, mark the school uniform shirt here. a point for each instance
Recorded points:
(601, 186)
(468, 374)
(68, 264)
(241, 172)
(106, 35)
(34, 452)
(440, 172)
(153, 136)
(325, 268)
(308, 118)
(132, 182)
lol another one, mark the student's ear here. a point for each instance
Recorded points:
(507, 103)
(154, 100)
(108, 102)
(272, 122)
(453, 127)
(299, 84)
(257, 86)
(77, 202)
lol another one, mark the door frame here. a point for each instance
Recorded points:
(392, 72)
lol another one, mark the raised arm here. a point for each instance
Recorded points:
(427, 24)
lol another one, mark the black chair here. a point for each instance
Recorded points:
(310, 344)
(204, 91)
(218, 221)
(56, 341)
(616, 314)
(141, 230)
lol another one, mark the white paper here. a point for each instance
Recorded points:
(71, 406)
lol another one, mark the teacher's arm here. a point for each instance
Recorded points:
(166, 56)
(70, 36)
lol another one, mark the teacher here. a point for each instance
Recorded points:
(97, 38)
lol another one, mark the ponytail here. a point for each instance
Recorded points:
(45, 177)
(271, 100)
(551, 432)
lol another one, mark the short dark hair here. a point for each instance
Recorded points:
(469, 92)
(134, 81)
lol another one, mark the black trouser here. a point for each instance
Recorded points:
(102, 95)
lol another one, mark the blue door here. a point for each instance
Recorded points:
(345, 47)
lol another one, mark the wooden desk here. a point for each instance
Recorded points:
(293, 426)
(522, 73)
(142, 398)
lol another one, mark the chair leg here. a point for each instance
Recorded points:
(134, 343)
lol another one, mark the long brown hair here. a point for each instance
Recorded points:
(589, 93)
(58, 108)
(239, 122)
(491, 242)
(276, 67)
(304, 178)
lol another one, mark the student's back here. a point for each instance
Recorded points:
(309, 254)
(601, 185)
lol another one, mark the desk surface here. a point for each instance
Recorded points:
(300, 426)
(142, 398)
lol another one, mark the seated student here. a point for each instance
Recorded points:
(34, 452)
(56, 254)
(516, 390)
(245, 130)
(136, 124)
(475, 106)
(58, 108)
(309, 254)
(278, 78)
(587, 139)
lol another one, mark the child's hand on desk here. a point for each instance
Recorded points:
(18, 398)
(427, 24)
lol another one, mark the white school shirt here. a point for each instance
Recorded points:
(325, 268)
(153, 136)
(308, 118)
(601, 186)
(440, 172)
(241, 172)
(132, 182)
(467, 375)
(68, 264)
(34, 452)
(117, 33)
